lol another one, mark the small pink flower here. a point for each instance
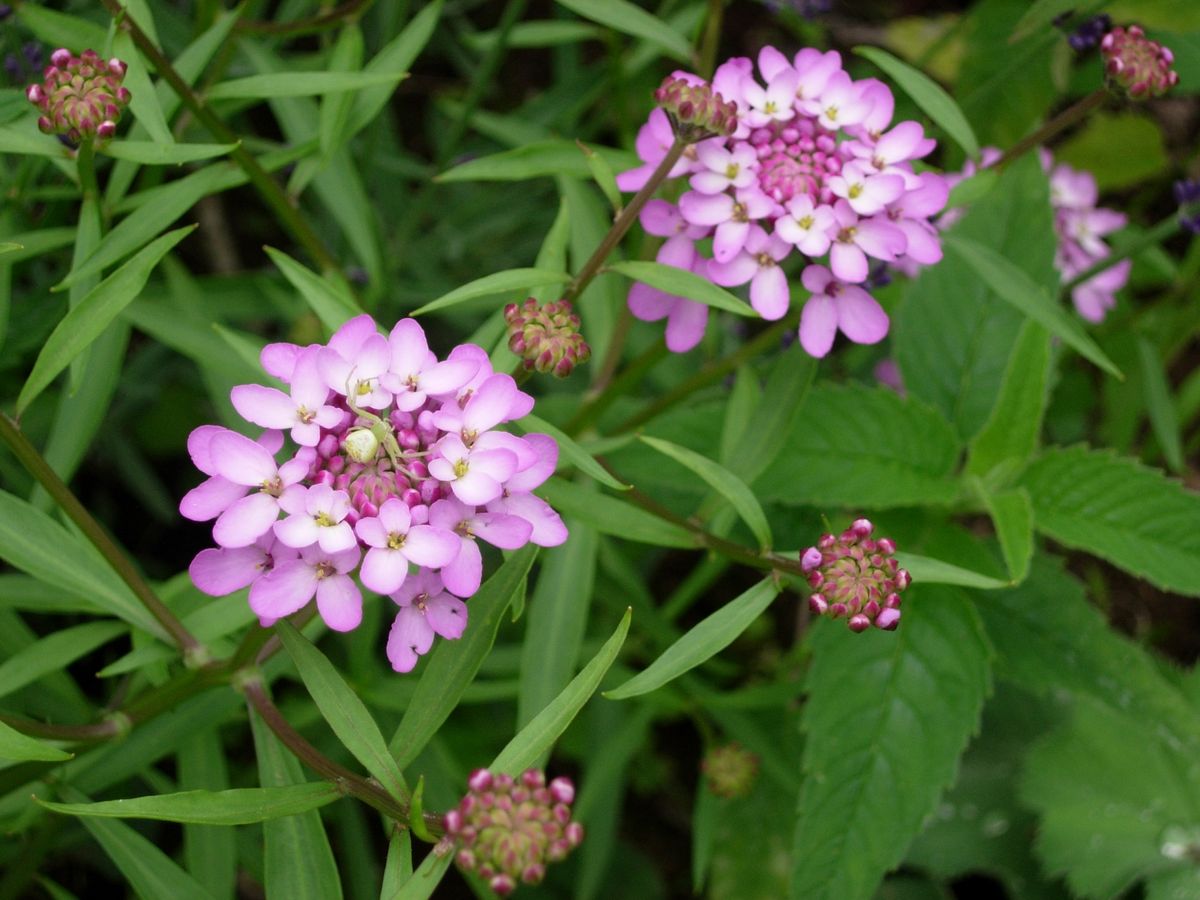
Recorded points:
(395, 542)
(654, 139)
(221, 571)
(304, 411)
(758, 263)
(859, 238)
(317, 515)
(774, 103)
(724, 168)
(462, 575)
(837, 306)
(425, 610)
(354, 360)
(291, 584)
(840, 103)
(686, 319)
(806, 226)
(415, 373)
(867, 194)
(475, 476)
(732, 217)
(245, 462)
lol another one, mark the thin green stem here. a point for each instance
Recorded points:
(612, 356)
(268, 188)
(1061, 122)
(1156, 235)
(194, 652)
(712, 37)
(592, 409)
(623, 223)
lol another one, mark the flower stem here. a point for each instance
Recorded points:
(274, 195)
(624, 221)
(29, 457)
(1061, 122)
(1156, 235)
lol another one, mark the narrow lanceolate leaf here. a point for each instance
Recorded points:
(971, 189)
(23, 138)
(496, 283)
(539, 159)
(873, 448)
(720, 479)
(54, 653)
(341, 708)
(33, 542)
(1010, 435)
(332, 306)
(1121, 511)
(602, 174)
(925, 570)
(298, 84)
(681, 283)
(624, 16)
(927, 94)
(154, 154)
(888, 715)
(149, 871)
(453, 664)
(144, 103)
(17, 747)
(423, 882)
(240, 806)
(609, 515)
(574, 454)
(1012, 517)
(87, 321)
(536, 738)
(702, 642)
(1159, 405)
(395, 58)
(1012, 285)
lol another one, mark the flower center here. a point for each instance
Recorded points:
(324, 570)
(855, 191)
(324, 519)
(460, 468)
(395, 541)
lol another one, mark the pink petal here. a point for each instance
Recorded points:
(221, 572)
(279, 360)
(198, 447)
(372, 532)
(545, 448)
(475, 487)
(769, 293)
(649, 304)
(298, 531)
(308, 387)
(685, 328)
(410, 351)
(818, 325)
(395, 516)
(507, 532)
(410, 636)
(729, 240)
(246, 521)
(429, 546)
(661, 218)
(706, 209)
(548, 527)
(737, 271)
(383, 570)
(210, 498)
(463, 575)
(339, 602)
(336, 538)
(860, 317)
(447, 377)
(447, 616)
(283, 590)
(848, 262)
(268, 407)
(880, 239)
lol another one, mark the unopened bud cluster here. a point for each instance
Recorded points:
(547, 337)
(730, 770)
(1140, 67)
(857, 577)
(80, 97)
(695, 110)
(507, 829)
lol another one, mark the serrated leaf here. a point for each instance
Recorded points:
(928, 95)
(536, 738)
(624, 16)
(155, 154)
(496, 283)
(1121, 511)
(539, 159)
(54, 652)
(1111, 822)
(724, 482)
(926, 570)
(888, 715)
(17, 747)
(1012, 517)
(874, 448)
(332, 306)
(575, 454)
(681, 283)
(341, 708)
(1015, 287)
(453, 664)
(1010, 435)
(239, 806)
(277, 85)
(611, 516)
(87, 321)
(702, 642)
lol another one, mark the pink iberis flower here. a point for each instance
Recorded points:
(394, 470)
(815, 168)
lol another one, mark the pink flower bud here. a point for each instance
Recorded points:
(858, 577)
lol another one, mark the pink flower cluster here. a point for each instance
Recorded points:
(815, 167)
(857, 577)
(80, 96)
(395, 464)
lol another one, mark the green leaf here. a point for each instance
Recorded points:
(611, 516)
(399, 866)
(453, 664)
(54, 653)
(1012, 517)
(143, 101)
(33, 542)
(496, 283)
(538, 159)
(297, 860)
(209, 851)
(155, 154)
(341, 708)
(681, 283)
(277, 85)
(1012, 285)
(575, 454)
(395, 57)
(149, 871)
(928, 95)
(874, 448)
(1112, 821)
(23, 138)
(416, 813)
(1119, 150)
(17, 747)
(59, 29)
(602, 174)
(423, 882)
(346, 56)
(624, 16)
(720, 479)
(1010, 435)
(1042, 13)
(332, 306)
(704, 641)
(240, 806)
(925, 570)
(1159, 405)
(87, 321)
(888, 715)
(536, 738)
(971, 189)
(1121, 511)
(32, 244)
(1180, 884)
(775, 418)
